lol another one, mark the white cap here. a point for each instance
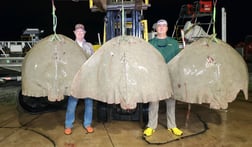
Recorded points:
(162, 22)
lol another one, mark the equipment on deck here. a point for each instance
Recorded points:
(195, 20)
(12, 52)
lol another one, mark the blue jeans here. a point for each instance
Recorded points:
(70, 112)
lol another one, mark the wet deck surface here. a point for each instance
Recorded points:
(202, 126)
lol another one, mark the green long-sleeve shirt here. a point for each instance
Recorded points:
(168, 47)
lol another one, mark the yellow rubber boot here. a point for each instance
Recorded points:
(148, 132)
(176, 131)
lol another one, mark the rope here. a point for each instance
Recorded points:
(55, 36)
(213, 36)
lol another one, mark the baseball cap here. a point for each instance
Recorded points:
(79, 26)
(162, 22)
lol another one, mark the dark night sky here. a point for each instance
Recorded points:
(17, 15)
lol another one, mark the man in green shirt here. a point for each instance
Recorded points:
(169, 48)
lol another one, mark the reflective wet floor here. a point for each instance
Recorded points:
(203, 127)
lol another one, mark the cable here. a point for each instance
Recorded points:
(182, 137)
(45, 136)
(195, 134)
(108, 134)
(25, 127)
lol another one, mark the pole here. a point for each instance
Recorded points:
(223, 25)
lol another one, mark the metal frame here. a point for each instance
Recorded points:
(11, 56)
(203, 19)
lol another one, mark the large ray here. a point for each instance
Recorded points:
(211, 72)
(125, 70)
(49, 67)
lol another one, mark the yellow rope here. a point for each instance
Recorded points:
(55, 36)
(213, 36)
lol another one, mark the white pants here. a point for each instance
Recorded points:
(170, 113)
